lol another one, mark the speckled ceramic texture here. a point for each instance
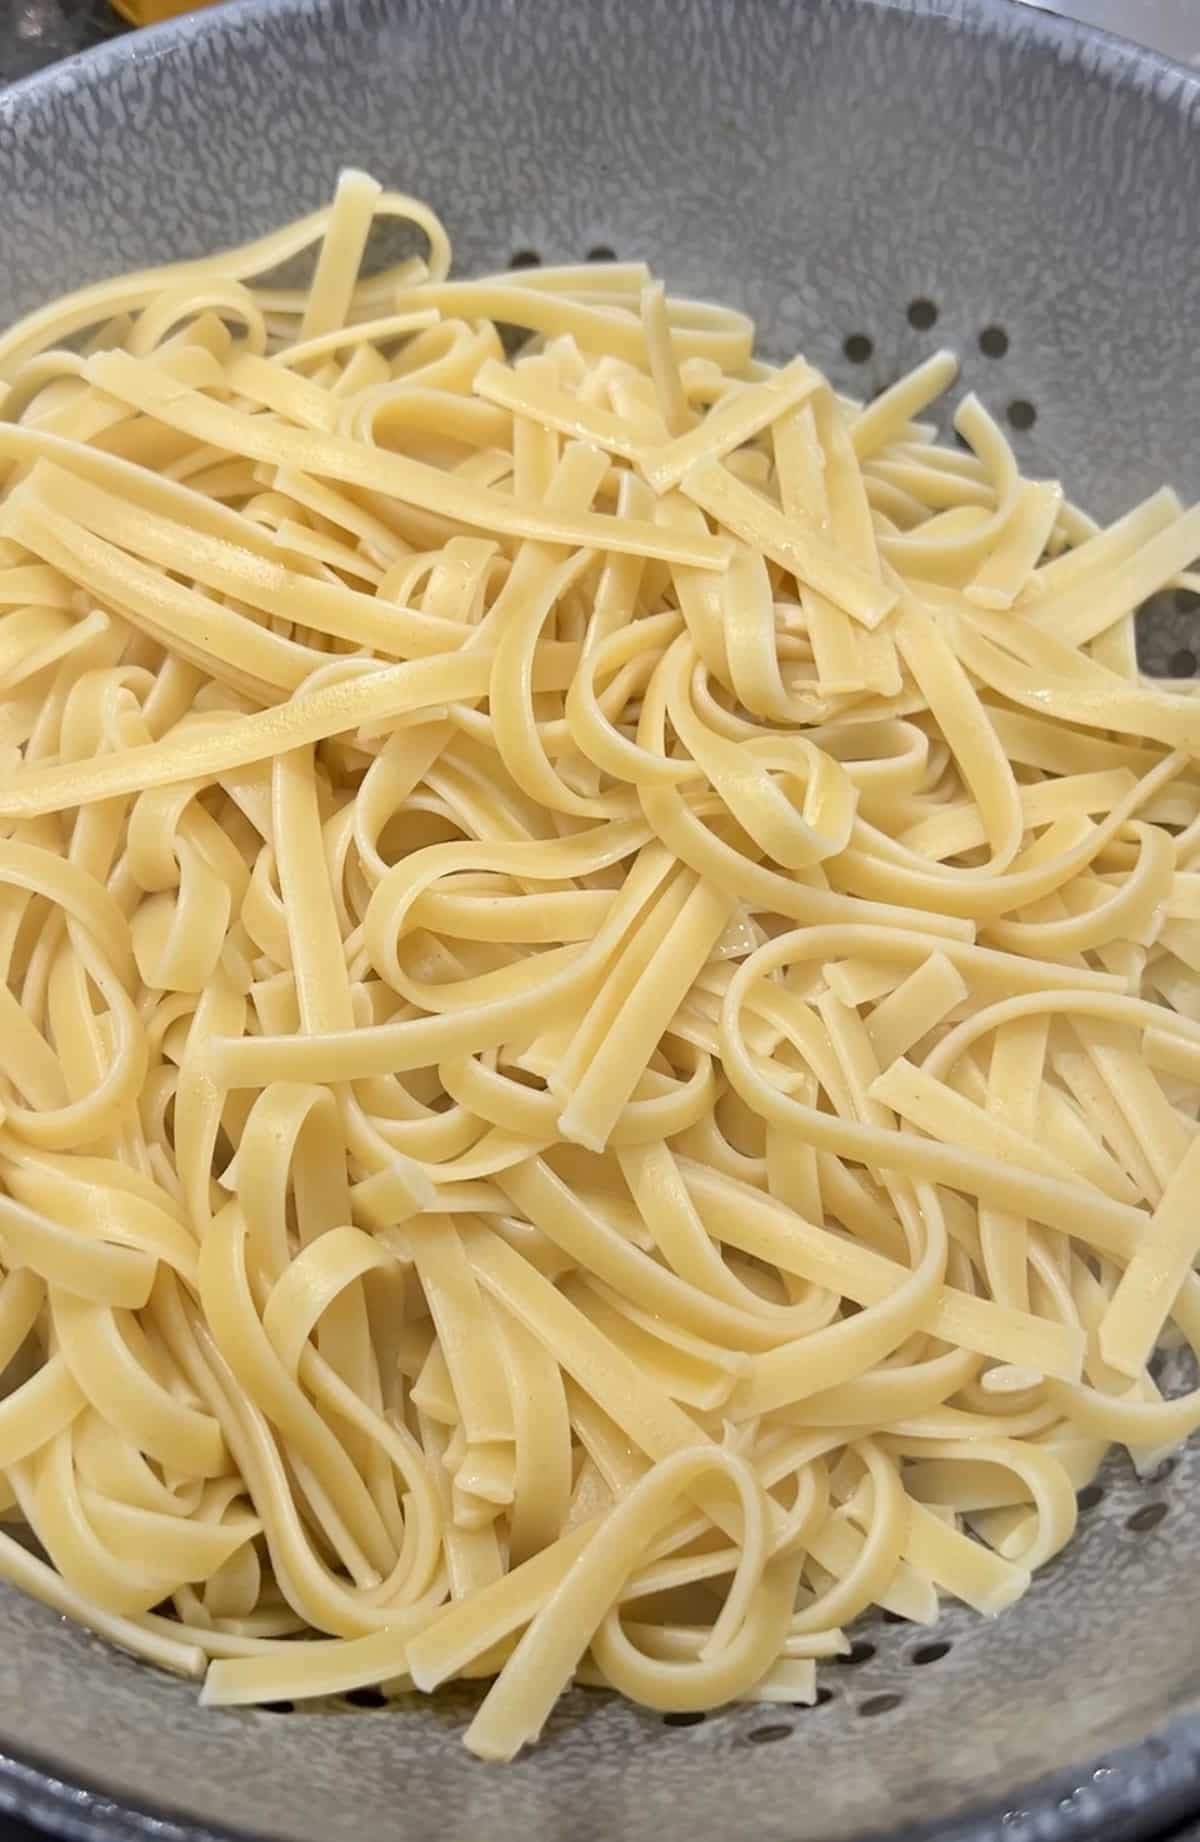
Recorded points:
(824, 165)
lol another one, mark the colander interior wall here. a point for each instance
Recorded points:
(871, 180)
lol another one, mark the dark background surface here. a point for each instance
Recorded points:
(34, 33)
(38, 32)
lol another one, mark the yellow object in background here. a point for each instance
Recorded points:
(149, 12)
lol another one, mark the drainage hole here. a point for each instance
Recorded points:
(1146, 1518)
(878, 1704)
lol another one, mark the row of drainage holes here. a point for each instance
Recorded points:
(921, 315)
(858, 1653)
(357, 1698)
(1177, 603)
(532, 258)
(862, 1652)
(993, 343)
(1149, 1515)
(1180, 601)
(1140, 1523)
(779, 1730)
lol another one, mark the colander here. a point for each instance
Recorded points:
(870, 178)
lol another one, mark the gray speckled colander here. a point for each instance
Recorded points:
(849, 172)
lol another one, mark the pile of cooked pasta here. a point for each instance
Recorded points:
(600, 1041)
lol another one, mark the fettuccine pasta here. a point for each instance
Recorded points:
(600, 1040)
